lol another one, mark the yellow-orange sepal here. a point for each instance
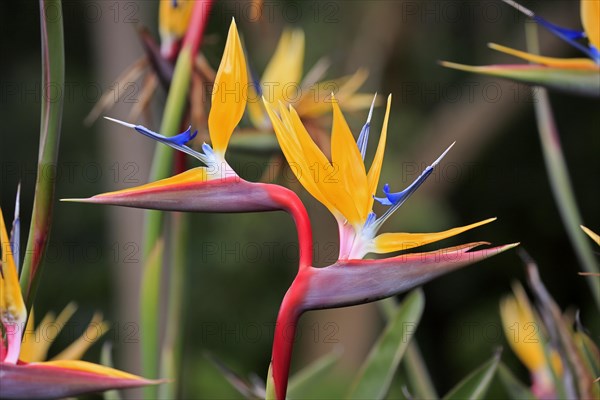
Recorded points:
(229, 94)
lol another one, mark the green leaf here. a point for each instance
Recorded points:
(53, 82)
(376, 374)
(270, 390)
(476, 384)
(307, 383)
(575, 81)
(515, 388)
(417, 374)
(162, 164)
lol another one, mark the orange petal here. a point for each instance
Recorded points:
(300, 151)
(316, 99)
(595, 237)
(284, 71)
(346, 159)
(522, 328)
(230, 92)
(94, 331)
(571, 63)
(36, 343)
(390, 242)
(590, 18)
(375, 169)
(12, 307)
(173, 20)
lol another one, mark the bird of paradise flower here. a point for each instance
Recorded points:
(562, 359)
(282, 80)
(23, 374)
(576, 75)
(157, 65)
(350, 197)
(522, 331)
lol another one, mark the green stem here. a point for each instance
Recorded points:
(149, 310)
(172, 346)
(162, 163)
(53, 78)
(161, 168)
(558, 174)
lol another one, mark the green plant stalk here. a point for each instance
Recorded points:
(172, 347)
(150, 307)
(161, 168)
(53, 79)
(162, 163)
(558, 174)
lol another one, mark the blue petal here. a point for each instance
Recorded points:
(595, 54)
(385, 200)
(177, 142)
(395, 200)
(179, 139)
(570, 36)
(15, 234)
(363, 138)
(370, 219)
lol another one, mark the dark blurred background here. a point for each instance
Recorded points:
(241, 265)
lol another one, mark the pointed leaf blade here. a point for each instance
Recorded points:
(304, 382)
(377, 371)
(475, 384)
(515, 388)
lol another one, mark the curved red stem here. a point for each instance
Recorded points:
(198, 22)
(291, 306)
(285, 331)
(291, 203)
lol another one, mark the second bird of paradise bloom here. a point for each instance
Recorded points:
(349, 196)
(283, 81)
(576, 75)
(215, 187)
(523, 333)
(157, 65)
(173, 21)
(23, 374)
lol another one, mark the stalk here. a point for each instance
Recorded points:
(558, 174)
(53, 80)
